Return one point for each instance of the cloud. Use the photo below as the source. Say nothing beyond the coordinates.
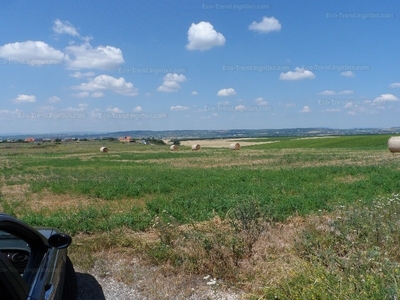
(179, 108)
(226, 92)
(34, 53)
(82, 95)
(81, 107)
(224, 103)
(298, 74)
(240, 107)
(79, 75)
(327, 93)
(54, 99)
(346, 92)
(203, 36)
(386, 97)
(348, 74)
(6, 111)
(332, 110)
(266, 25)
(260, 101)
(86, 57)
(290, 104)
(97, 95)
(349, 105)
(171, 83)
(331, 93)
(306, 109)
(395, 85)
(114, 110)
(106, 82)
(22, 98)
(194, 93)
(137, 109)
(60, 27)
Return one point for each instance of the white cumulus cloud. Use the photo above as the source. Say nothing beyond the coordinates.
(260, 101)
(114, 110)
(22, 98)
(106, 82)
(306, 109)
(298, 74)
(395, 85)
(97, 95)
(171, 83)
(179, 108)
(386, 97)
(80, 75)
(137, 109)
(203, 36)
(60, 27)
(332, 110)
(226, 92)
(81, 107)
(32, 53)
(346, 92)
(6, 111)
(327, 93)
(82, 95)
(348, 74)
(240, 107)
(86, 57)
(54, 99)
(331, 93)
(266, 25)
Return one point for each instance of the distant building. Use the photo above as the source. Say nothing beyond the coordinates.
(125, 139)
(29, 140)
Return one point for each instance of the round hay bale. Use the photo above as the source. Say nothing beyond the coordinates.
(394, 144)
(234, 146)
(104, 149)
(196, 147)
(174, 148)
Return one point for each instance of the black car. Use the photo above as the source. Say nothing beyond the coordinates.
(33, 262)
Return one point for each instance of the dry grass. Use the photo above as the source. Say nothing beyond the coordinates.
(121, 255)
(47, 203)
(253, 159)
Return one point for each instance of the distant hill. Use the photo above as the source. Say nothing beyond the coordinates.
(209, 134)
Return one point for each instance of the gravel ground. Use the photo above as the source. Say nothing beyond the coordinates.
(148, 285)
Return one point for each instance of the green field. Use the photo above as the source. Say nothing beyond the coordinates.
(145, 188)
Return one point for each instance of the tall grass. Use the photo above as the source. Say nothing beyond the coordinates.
(354, 255)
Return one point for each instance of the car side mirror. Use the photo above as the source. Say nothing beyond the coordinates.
(59, 241)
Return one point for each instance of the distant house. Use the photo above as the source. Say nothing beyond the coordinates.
(125, 139)
(29, 140)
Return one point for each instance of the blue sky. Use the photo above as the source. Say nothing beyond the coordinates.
(144, 65)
